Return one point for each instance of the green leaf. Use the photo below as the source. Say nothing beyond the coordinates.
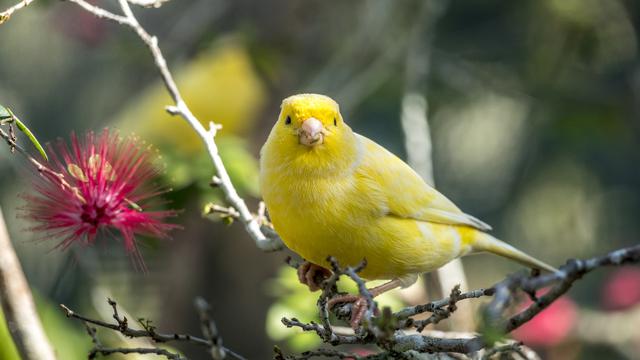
(4, 113)
(22, 127)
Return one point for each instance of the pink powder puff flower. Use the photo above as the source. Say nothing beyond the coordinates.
(622, 289)
(102, 182)
(551, 326)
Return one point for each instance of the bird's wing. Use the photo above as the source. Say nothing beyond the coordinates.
(406, 194)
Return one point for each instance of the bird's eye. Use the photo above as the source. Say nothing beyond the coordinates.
(335, 122)
(288, 121)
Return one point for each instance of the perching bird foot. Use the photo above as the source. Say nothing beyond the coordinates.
(360, 304)
(358, 310)
(312, 275)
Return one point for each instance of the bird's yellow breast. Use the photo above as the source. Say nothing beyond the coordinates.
(344, 216)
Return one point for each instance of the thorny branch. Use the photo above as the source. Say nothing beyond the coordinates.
(266, 242)
(391, 331)
(211, 338)
(99, 349)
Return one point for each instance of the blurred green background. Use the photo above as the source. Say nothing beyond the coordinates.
(534, 108)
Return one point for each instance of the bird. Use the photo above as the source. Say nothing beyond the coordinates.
(331, 192)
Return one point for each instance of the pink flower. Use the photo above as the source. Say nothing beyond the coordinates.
(360, 352)
(99, 184)
(622, 289)
(551, 326)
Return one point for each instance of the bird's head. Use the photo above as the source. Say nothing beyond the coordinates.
(311, 134)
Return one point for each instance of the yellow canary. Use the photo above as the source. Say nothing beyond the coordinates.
(332, 192)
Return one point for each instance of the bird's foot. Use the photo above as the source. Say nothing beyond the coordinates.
(359, 309)
(312, 275)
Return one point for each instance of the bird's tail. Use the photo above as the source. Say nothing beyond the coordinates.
(486, 242)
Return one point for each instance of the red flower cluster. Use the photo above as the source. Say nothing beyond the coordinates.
(551, 326)
(101, 182)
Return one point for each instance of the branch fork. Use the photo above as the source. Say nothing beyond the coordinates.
(399, 338)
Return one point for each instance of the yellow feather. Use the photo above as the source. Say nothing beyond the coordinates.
(350, 198)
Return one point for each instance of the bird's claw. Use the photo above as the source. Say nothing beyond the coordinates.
(359, 309)
(312, 275)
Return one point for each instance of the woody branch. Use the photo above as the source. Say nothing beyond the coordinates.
(211, 339)
(18, 306)
(391, 331)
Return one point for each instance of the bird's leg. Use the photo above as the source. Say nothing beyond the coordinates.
(312, 275)
(360, 305)
(378, 290)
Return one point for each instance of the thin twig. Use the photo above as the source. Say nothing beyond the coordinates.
(148, 3)
(180, 108)
(144, 351)
(99, 349)
(149, 331)
(5, 15)
(209, 330)
(127, 331)
(503, 294)
(12, 143)
(102, 13)
(329, 288)
(323, 332)
(565, 277)
(229, 214)
(441, 313)
(434, 305)
(223, 211)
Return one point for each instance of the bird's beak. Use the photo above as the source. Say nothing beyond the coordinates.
(311, 132)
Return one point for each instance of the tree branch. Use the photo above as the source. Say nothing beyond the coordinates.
(279, 355)
(110, 351)
(148, 3)
(399, 340)
(435, 305)
(563, 280)
(5, 15)
(99, 349)
(180, 108)
(18, 306)
(212, 340)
